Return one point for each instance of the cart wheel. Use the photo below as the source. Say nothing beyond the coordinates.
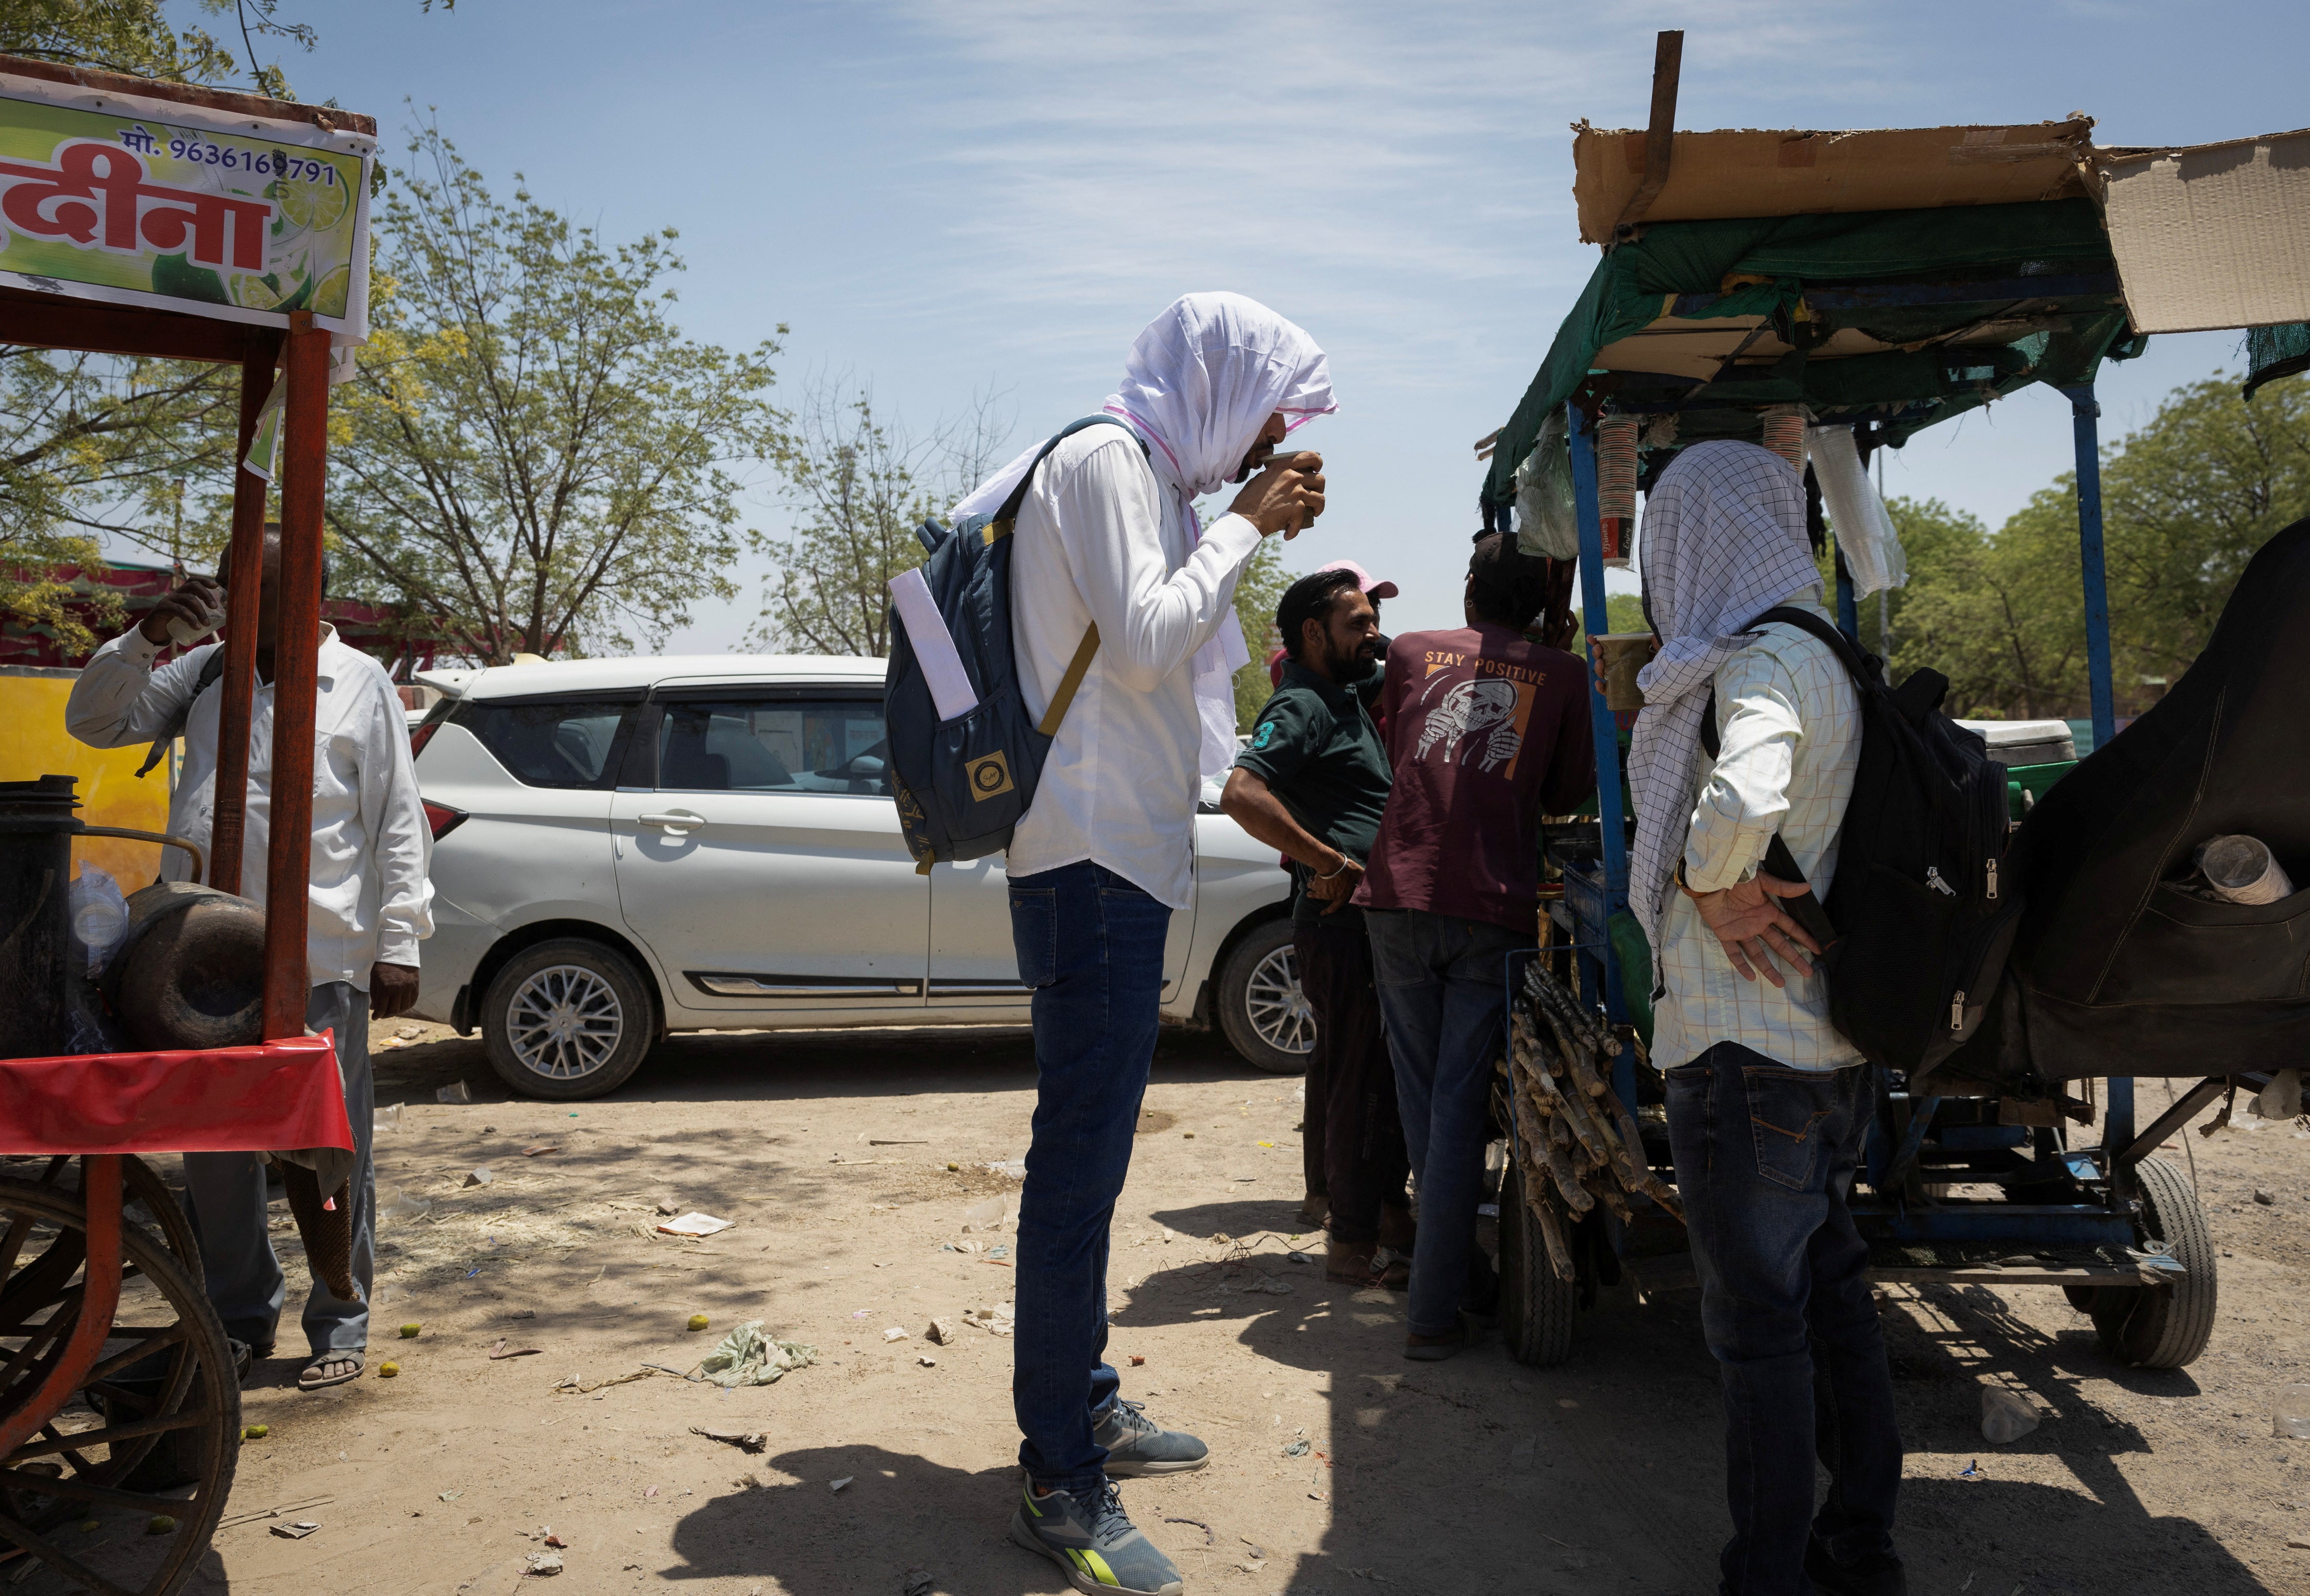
(1536, 1305)
(165, 1374)
(2163, 1327)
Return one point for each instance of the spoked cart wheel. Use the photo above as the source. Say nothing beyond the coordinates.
(2161, 1327)
(160, 1390)
(1537, 1305)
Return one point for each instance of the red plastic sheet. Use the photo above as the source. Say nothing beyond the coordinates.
(273, 1097)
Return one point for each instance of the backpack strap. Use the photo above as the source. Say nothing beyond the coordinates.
(1007, 517)
(212, 668)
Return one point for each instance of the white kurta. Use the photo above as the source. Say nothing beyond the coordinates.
(1101, 539)
(371, 901)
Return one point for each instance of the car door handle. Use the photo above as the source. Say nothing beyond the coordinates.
(679, 823)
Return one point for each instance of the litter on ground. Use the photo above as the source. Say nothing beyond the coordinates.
(747, 1357)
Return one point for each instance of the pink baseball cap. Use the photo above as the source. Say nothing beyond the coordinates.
(1377, 590)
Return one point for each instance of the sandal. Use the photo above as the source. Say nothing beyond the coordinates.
(1420, 1348)
(1348, 1263)
(315, 1376)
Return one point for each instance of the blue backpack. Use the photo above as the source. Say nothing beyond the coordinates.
(964, 780)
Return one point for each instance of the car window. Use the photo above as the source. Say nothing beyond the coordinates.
(787, 746)
(550, 744)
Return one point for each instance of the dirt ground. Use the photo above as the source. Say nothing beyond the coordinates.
(849, 1162)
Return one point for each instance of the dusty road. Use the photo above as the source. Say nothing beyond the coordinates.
(849, 1163)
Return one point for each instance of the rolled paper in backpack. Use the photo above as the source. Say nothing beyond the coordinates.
(933, 646)
(1623, 654)
(2242, 870)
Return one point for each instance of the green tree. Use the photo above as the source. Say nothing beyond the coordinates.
(533, 458)
(1258, 591)
(852, 481)
(2185, 502)
(859, 486)
(96, 443)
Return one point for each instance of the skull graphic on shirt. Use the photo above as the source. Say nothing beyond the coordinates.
(1482, 707)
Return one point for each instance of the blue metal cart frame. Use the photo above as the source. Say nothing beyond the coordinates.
(2080, 1221)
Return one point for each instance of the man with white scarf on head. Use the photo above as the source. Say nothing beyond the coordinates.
(1768, 1105)
(1109, 556)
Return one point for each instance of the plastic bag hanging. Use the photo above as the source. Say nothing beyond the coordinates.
(1547, 518)
(1865, 529)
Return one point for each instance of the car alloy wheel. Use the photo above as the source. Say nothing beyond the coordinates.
(1278, 1010)
(564, 1022)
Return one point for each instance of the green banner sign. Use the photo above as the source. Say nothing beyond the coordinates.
(184, 208)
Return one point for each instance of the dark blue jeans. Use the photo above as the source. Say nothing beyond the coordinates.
(1091, 946)
(1443, 991)
(1764, 1161)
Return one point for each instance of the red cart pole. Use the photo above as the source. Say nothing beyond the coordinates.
(244, 569)
(304, 455)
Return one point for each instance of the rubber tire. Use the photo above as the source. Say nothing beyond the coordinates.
(1536, 1305)
(634, 1040)
(2164, 1327)
(1234, 1012)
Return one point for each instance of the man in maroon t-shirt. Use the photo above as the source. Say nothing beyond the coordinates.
(1487, 731)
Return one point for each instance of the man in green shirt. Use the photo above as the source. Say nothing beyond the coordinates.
(1313, 784)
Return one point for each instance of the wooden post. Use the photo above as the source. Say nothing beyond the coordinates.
(304, 458)
(1660, 133)
(244, 572)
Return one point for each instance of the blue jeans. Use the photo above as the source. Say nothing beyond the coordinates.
(1764, 1161)
(1442, 992)
(225, 1196)
(1091, 946)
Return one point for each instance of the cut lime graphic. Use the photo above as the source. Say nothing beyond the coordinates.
(329, 294)
(309, 204)
(252, 291)
(179, 278)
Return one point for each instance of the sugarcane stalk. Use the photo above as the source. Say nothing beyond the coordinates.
(1560, 1257)
(1585, 1127)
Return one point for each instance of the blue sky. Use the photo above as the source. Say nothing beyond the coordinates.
(943, 198)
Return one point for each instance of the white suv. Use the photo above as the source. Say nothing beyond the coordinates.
(623, 848)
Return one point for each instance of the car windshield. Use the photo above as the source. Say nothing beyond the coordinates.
(735, 746)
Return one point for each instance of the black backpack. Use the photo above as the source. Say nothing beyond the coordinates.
(1922, 916)
(962, 784)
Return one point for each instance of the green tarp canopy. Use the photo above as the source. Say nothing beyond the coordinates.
(2272, 353)
(1902, 318)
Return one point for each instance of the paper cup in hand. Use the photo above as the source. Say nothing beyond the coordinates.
(1623, 654)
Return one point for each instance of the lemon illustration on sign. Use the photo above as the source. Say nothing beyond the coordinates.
(329, 295)
(309, 204)
(253, 291)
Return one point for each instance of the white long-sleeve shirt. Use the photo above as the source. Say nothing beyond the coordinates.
(1788, 723)
(371, 900)
(1099, 539)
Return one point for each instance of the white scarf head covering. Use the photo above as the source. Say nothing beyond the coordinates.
(1722, 541)
(1200, 383)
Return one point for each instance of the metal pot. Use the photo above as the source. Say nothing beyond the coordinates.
(191, 973)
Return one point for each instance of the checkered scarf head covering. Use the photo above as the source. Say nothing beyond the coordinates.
(1722, 541)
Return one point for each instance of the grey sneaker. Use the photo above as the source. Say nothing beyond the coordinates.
(1136, 1445)
(1098, 1548)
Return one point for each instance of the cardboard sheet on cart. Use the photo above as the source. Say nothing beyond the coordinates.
(1750, 172)
(275, 1096)
(2211, 236)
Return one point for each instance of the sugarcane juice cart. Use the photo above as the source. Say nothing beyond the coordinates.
(149, 219)
(1886, 283)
